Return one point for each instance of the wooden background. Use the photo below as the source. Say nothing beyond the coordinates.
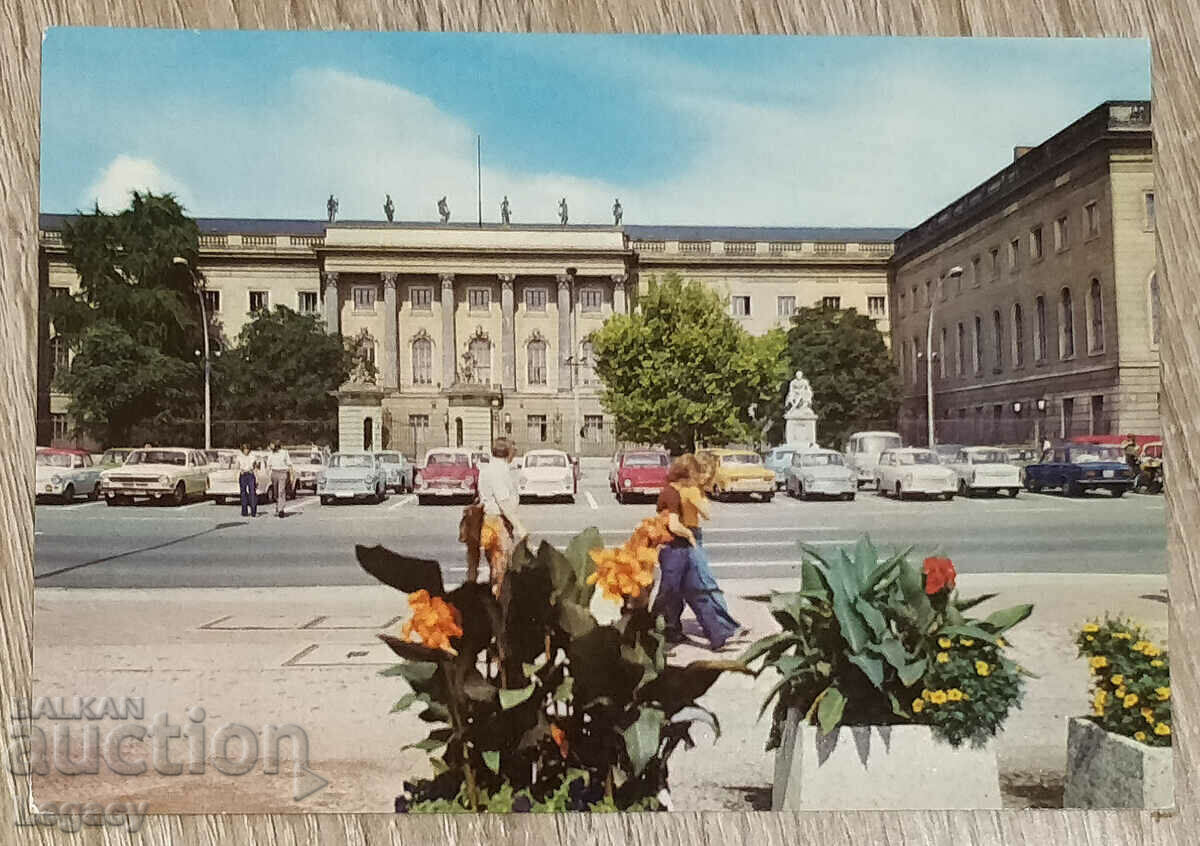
(1174, 30)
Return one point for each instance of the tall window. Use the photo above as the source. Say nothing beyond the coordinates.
(364, 297)
(1154, 309)
(1091, 219)
(535, 352)
(419, 423)
(961, 351)
(740, 306)
(1018, 336)
(421, 299)
(995, 257)
(997, 340)
(480, 354)
(785, 306)
(479, 299)
(1062, 234)
(916, 358)
(976, 264)
(587, 360)
(422, 361)
(1066, 325)
(1095, 308)
(59, 356)
(590, 299)
(307, 300)
(942, 354)
(535, 299)
(977, 346)
(1039, 337)
(535, 425)
(1035, 243)
(212, 300)
(593, 427)
(1149, 198)
(1014, 254)
(59, 429)
(900, 305)
(876, 306)
(928, 292)
(835, 303)
(259, 300)
(903, 362)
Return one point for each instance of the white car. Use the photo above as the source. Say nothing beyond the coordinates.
(863, 450)
(985, 469)
(914, 470)
(819, 472)
(546, 474)
(309, 461)
(171, 473)
(224, 483)
(63, 474)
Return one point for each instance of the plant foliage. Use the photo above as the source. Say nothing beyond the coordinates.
(1131, 680)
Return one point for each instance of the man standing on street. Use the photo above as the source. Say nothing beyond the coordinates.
(1131, 454)
(247, 483)
(278, 463)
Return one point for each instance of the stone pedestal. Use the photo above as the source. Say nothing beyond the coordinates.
(1106, 770)
(360, 417)
(800, 428)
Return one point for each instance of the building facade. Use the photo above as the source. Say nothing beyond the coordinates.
(1052, 327)
(477, 331)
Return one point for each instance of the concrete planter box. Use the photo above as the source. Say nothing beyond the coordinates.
(1106, 770)
(880, 768)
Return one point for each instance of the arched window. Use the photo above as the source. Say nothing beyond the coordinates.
(480, 353)
(535, 352)
(1066, 325)
(1095, 307)
(1018, 335)
(368, 434)
(59, 356)
(997, 340)
(422, 361)
(961, 352)
(978, 346)
(458, 431)
(1039, 338)
(1154, 309)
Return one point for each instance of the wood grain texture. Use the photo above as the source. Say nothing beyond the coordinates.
(1171, 24)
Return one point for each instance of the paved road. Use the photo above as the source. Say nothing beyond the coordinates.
(206, 545)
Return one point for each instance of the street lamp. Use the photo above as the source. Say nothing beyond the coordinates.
(199, 288)
(955, 272)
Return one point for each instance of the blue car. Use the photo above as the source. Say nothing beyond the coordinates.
(778, 460)
(1076, 469)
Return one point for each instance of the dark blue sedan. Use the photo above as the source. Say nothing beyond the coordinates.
(1078, 468)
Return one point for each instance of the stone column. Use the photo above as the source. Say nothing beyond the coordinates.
(449, 343)
(508, 341)
(565, 348)
(618, 280)
(331, 304)
(391, 332)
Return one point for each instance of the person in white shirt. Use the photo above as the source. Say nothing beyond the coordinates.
(279, 463)
(502, 527)
(247, 483)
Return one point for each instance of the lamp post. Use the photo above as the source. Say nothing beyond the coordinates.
(953, 273)
(199, 288)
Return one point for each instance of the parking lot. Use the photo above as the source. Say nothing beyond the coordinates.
(201, 544)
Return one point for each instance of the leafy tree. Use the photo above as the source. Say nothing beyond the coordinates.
(135, 323)
(681, 372)
(853, 378)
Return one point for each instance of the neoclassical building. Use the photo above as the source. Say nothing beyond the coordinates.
(1052, 328)
(481, 330)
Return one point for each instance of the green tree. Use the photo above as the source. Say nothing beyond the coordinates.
(681, 372)
(135, 324)
(845, 359)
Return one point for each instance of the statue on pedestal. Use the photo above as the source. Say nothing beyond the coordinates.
(562, 211)
(618, 212)
(800, 421)
(444, 210)
(331, 208)
(388, 208)
(800, 395)
(505, 213)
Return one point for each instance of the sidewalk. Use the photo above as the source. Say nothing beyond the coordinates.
(309, 656)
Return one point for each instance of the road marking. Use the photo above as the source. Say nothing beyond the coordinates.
(298, 504)
(193, 505)
(406, 500)
(591, 500)
(81, 505)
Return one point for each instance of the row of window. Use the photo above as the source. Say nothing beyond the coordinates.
(537, 427)
(1014, 323)
(420, 298)
(1036, 252)
(785, 306)
(1005, 428)
(477, 366)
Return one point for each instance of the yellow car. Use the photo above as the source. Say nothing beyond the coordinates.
(740, 472)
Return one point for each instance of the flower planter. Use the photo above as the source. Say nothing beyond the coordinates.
(899, 767)
(1106, 770)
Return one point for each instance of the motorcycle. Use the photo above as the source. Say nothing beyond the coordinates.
(1150, 478)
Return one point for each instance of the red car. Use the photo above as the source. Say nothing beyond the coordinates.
(640, 472)
(447, 473)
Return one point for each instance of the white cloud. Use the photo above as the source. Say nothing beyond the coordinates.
(125, 174)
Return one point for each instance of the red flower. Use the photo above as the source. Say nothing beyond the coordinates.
(939, 575)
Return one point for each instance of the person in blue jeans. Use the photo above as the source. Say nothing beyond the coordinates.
(705, 581)
(247, 482)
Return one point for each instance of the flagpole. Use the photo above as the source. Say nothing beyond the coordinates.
(479, 176)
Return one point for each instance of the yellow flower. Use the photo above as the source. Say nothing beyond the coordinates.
(1100, 698)
(1139, 736)
(945, 642)
(1148, 715)
(918, 706)
(954, 694)
(926, 693)
(1162, 729)
(1158, 663)
(1139, 646)
(1090, 638)
(1116, 678)
(1120, 692)
(1098, 662)
(982, 668)
(938, 697)
(943, 657)
(1090, 627)
(1130, 700)
(1151, 650)
(1164, 693)
(1122, 636)
(1098, 710)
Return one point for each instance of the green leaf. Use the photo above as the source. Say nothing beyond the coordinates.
(477, 688)
(403, 703)
(491, 759)
(810, 579)
(763, 645)
(829, 712)
(413, 671)
(580, 561)
(511, 698)
(575, 619)
(563, 693)
(882, 570)
(893, 651)
(416, 652)
(642, 738)
(872, 616)
(967, 604)
(1002, 621)
(871, 667)
(865, 562)
(912, 673)
(678, 687)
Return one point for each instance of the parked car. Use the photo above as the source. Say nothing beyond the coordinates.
(863, 450)
(224, 482)
(547, 473)
(219, 458)
(113, 457)
(947, 453)
(447, 473)
(985, 469)
(778, 460)
(1076, 469)
(914, 470)
(175, 474)
(399, 470)
(353, 476)
(63, 474)
(641, 473)
(819, 472)
(740, 472)
(308, 461)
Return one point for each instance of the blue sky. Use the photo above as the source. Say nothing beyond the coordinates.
(701, 130)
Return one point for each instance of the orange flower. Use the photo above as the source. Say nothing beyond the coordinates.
(434, 621)
(625, 570)
(560, 739)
